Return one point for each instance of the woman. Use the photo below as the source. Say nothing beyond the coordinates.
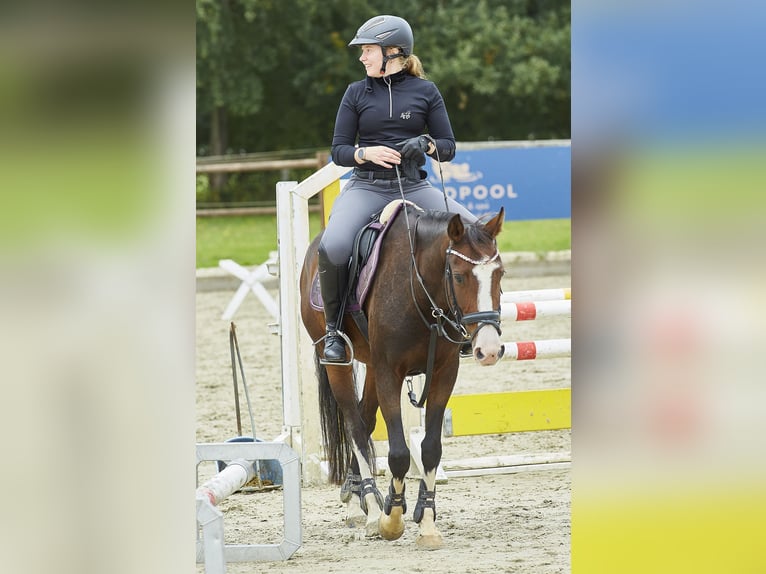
(386, 113)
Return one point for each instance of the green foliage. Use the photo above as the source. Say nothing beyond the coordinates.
(279, 68)
(503, 67)
(249, 239)
(253, 188)
(229, 71)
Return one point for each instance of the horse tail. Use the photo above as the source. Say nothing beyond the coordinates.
(337, 447)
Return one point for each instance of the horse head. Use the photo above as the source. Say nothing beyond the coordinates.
(473, 274)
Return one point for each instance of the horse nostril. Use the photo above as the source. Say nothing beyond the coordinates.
(479, 354)
(501, 352)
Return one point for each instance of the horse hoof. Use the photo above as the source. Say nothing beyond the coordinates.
(429, 541)
(356, 521)
(371, 530)
(390, 529)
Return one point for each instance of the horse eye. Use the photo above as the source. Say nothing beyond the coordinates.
(459, 278)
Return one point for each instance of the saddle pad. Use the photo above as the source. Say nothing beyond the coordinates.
(366, 274)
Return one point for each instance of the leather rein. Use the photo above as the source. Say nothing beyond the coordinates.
(457, 321)
(440, 317)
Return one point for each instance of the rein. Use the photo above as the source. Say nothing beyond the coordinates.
(438, 327)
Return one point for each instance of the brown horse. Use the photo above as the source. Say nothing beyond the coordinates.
(436, 288)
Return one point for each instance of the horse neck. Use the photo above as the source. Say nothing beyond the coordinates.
(430, 257)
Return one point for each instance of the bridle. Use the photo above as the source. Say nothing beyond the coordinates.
(479, 317)
(458, 321)
(454, 318)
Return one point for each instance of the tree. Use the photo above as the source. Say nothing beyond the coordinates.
(271, 73)
(503, 67)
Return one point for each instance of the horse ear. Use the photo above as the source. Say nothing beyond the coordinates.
(455, 228)
(495, 225)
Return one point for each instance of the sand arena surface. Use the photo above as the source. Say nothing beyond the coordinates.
(501, 523)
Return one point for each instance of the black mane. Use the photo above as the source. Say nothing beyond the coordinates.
(433, 223)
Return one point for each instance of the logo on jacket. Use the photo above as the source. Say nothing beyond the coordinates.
(405, 115)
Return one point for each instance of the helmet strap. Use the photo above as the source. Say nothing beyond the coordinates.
(387, 57)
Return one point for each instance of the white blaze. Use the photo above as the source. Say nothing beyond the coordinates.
(487, 346)
(483, 274)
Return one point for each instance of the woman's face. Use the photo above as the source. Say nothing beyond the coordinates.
(372, 59)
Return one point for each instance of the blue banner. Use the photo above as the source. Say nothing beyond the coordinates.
(530, 181)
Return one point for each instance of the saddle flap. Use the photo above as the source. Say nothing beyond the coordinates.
(365, 253)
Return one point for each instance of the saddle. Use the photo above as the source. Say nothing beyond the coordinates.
(362, 265)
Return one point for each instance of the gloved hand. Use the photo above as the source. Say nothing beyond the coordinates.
(410, 168)
(414, 149)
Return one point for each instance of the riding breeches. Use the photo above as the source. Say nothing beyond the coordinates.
(360, 199)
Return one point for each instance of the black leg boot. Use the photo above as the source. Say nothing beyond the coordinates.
(333, 281)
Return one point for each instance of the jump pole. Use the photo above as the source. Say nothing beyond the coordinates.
(531, 350)
(530, 310)
(560, 294)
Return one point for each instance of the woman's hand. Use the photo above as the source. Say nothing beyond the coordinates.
(381, 155)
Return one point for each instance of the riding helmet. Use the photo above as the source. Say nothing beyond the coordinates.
(385, 30)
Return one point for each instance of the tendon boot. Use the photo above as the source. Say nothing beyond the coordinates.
(333, 281)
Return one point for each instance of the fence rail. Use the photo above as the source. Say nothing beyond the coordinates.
(222, 164)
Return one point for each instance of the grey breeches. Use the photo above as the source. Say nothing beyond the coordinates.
(360, 199)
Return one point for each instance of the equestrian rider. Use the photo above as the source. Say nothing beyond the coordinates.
(379, 128)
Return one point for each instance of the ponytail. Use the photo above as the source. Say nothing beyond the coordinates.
(414, 67)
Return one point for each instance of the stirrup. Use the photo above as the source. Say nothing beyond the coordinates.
(339, 364)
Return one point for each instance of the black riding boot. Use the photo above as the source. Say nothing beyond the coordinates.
(333, 280)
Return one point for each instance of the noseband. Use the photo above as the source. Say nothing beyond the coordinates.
(480, 317)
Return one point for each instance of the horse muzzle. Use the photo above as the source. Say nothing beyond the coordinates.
(487, 348)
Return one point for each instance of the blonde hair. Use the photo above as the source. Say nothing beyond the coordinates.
(411, 64)
(414, 67)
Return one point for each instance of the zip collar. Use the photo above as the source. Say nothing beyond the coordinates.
(384, 81)
(387, 82)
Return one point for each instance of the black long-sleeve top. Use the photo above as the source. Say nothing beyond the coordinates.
(386, 111)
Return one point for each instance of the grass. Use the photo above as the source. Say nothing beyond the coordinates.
(249, 239)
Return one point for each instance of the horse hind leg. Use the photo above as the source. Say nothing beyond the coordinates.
(351, 489)
(369, 497)
(360, 492)
(350, 492)
(344, 433)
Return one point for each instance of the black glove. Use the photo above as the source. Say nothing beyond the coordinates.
(415, 148)
(410, 170)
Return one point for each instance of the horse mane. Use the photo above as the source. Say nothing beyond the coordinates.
(433, 223)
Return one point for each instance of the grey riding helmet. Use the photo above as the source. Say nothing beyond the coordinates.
(385, 31)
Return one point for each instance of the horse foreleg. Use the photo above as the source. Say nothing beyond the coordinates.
(391, 524)
(429, 536)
